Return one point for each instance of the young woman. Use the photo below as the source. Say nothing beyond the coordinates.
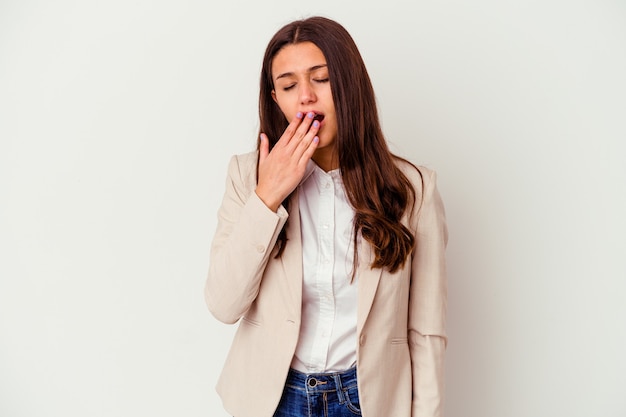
(329, 250)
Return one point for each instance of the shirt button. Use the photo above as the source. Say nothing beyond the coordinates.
(362, 340)
(260, 248)
(327, 185)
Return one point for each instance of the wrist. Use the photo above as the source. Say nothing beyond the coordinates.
(271, 203)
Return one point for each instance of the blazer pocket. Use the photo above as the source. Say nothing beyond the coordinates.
(251, 322)
(399, 341)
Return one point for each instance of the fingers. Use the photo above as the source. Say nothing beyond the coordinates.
(307, 126)
(309, 150)
(306, 145)
(299, 127)
(292, 128)
(297, 143)
(264, 147)
(304, 134)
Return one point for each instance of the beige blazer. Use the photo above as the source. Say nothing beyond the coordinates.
(401, 316)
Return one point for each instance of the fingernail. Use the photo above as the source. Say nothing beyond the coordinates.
(311, 115)
(316, 139)
(299, 115)
(316, 124)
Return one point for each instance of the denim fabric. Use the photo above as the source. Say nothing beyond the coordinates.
(320, 395)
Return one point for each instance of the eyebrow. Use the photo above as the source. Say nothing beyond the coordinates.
(290, 74)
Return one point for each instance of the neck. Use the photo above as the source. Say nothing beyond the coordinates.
(326, 158)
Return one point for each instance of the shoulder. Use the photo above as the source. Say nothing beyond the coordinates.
(242, 168)
(244, 162)
(424, 183)
(419, 176)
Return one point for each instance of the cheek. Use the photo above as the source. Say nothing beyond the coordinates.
(287, 110)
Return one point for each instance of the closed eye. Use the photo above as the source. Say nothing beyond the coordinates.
(323, 80)
(289, 87)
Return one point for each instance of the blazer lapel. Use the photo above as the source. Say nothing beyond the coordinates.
(292, 257)
(368, 279)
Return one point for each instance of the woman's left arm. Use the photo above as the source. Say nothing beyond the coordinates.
(428, 300)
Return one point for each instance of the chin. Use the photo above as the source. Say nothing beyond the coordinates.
(324, 144)
(325, 141)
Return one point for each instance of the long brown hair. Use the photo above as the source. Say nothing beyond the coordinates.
(379, 192)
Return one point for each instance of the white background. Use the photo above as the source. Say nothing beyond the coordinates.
(117, 120)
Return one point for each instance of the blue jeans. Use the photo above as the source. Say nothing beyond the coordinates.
(320, 395)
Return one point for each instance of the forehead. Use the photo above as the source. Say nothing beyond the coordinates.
(297, 58)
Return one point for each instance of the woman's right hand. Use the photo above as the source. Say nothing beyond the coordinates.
(282, 169)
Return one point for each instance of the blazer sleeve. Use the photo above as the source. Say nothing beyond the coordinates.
(246, 233)
(428, 300)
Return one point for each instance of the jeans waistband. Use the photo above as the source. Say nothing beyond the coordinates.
(322, 382)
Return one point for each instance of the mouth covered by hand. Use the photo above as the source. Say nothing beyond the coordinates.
(318, 117)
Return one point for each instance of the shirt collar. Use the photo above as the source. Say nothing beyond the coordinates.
(311, 167)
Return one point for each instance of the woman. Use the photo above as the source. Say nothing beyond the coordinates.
(328, 248)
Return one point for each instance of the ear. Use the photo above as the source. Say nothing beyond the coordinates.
(274, 96)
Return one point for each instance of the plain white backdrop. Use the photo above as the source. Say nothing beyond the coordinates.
(117, 120)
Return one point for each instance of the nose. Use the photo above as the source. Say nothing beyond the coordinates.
(307, 93)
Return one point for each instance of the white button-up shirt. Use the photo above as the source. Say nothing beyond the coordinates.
(327, 339)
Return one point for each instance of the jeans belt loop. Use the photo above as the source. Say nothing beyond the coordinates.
(339, 388)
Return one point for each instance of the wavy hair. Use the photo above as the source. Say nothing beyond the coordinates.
(379, 192)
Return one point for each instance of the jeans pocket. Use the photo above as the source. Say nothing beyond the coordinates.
(352, 400)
